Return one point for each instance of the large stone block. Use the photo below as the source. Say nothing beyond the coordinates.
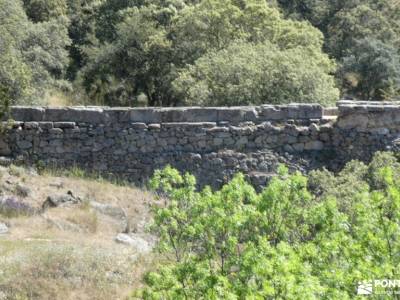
(330, 111)
(91, 115)
(56, 114)
(291, 111)
(304, 111)
(27, 114)
(237, 114)
(314, 145)
(4, 148)
(270, 112)
(189, 114)
(144, 115)
(353, 121)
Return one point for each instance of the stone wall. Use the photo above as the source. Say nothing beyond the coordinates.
(212, 143)
(362, 128)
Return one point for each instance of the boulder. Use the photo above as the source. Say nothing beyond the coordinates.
(12, 206)
(109, 210)
(4, 148)
(22, 190)
(314, 145)
(60, 200)
(3, 228)
(134, 241)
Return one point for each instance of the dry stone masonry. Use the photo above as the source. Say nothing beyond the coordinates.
(213, 143)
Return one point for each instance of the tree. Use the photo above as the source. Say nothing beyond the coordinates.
(15, 74)
(372, 70)
(344, 24)
(82, 32)
(32, 56)
(134, 64)
(245, 74)
(45, 10)
(357, 23)
(157, 43)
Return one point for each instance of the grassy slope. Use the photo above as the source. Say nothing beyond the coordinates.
(70, 252)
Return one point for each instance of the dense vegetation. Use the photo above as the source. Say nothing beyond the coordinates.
(203, 52)
(302, 237)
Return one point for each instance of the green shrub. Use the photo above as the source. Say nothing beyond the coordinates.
(297, 239)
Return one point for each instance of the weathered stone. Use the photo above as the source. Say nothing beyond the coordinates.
(314, 128)
(353, 121)
(46, 125)
(134, 241)
(236, 115)
(56, 131)
(31, 125)
(22, 190)
(314, 145)
(4, 148)
(154, 126)
(3, 228)
(269, 112)
(24, 145)
(64, 124)
(139, 126)
(299, 147)
(288, 148)
(304, 111)
(107, 209)
(144, 115)
(380, 131)
(60, 199)
(27, 114)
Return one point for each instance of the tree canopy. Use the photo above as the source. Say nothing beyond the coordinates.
(159, 48)
(33, 56)
(200, 52)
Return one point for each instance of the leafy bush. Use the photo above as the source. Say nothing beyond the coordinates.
(247, 74)
(297, 239)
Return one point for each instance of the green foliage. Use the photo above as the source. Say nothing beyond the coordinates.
(357, 33)
(32, 56)
(199, 52)
(297, 239)
(186, 53)
(372, 70)
(44, 10)
(15, 74)
(248, 74)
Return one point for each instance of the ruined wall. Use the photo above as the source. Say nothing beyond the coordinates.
(212, 143)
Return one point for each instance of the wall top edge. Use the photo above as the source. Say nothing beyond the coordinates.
(367, 103)
(185, 108)
(233, 115)
(181, 108)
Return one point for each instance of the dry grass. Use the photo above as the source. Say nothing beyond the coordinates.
(70, 252)
(58, 99)
(40, 269)
(85, 219)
